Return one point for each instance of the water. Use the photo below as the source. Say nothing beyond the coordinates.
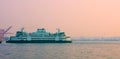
(75, 50)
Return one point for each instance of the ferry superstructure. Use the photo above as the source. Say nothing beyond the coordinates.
(40, 36)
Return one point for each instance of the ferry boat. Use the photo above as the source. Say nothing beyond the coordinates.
(40, 36)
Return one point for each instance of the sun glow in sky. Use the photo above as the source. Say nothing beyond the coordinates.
(74, 17)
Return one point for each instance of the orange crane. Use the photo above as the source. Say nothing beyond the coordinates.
(3, 32)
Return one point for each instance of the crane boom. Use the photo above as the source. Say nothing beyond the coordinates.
(7, 29)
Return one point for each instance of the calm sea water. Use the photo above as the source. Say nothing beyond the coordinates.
(75, 50)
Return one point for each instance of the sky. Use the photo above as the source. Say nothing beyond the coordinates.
(75, 17)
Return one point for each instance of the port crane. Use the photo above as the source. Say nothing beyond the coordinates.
(3, 32)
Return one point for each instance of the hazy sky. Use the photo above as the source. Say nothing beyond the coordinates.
(75, 17)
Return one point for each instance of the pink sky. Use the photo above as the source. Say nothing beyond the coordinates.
(75, 17)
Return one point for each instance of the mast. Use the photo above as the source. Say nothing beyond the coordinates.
(22, 29)
(57, 35)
